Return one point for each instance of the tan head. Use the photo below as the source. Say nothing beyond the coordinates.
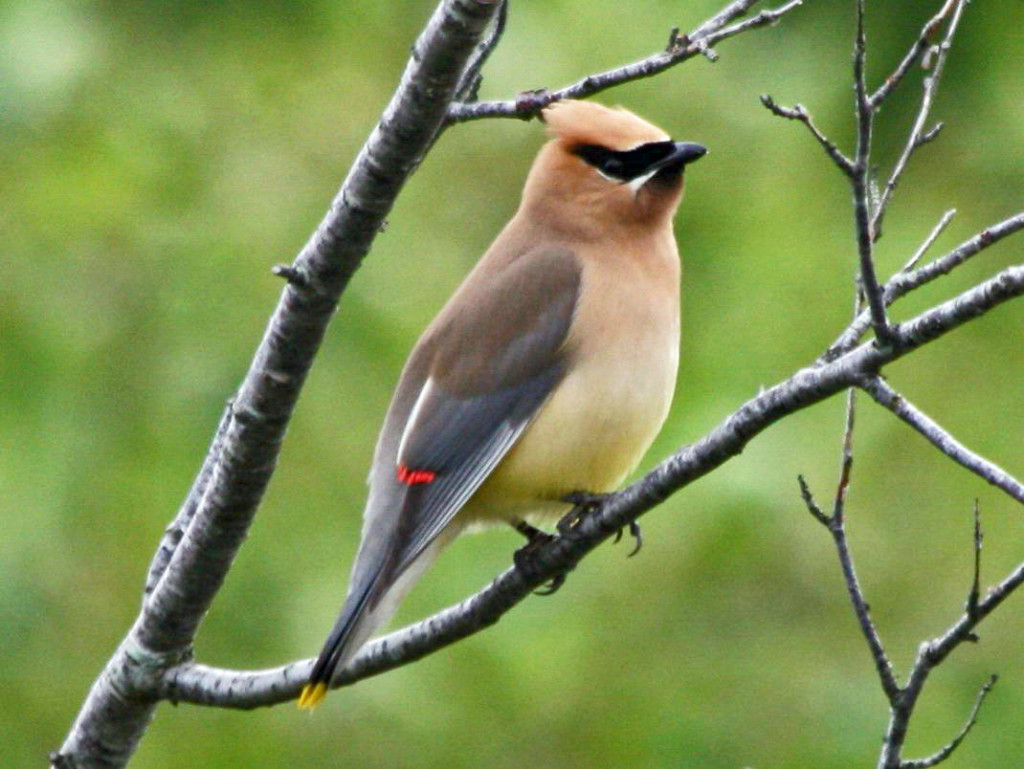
(606, 167)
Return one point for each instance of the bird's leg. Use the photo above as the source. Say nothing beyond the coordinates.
(535, 538)
(585, 502)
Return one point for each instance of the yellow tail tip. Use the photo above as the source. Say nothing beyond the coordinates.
(312, 695)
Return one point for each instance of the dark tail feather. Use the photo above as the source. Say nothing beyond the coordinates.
(335, 648)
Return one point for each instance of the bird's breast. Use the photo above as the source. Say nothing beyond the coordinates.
(598, 423)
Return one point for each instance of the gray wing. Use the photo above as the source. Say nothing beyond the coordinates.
(496, 361)
(472, 385)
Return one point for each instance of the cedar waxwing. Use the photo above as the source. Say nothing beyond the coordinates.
(548, 373)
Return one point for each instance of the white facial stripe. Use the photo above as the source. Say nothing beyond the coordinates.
(640, 181)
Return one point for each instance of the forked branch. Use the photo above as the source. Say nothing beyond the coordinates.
(700, 42)
(439, 88)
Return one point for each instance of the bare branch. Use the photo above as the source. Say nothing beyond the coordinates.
(933, 653)
(177, 528)
(800, 113)
(918, 135)
(975, 593)
(862, 190)
(860, 607)
(846, 466)
(806, 387)
(904, 282)
(766, 18)
(963, 630)
(469, 85)
(700, 42)
(885, 395)
(929, 241)
(924, 40)
(836, 524)
(220, 507)
(947, 750)
(812, 507)
(732, 11)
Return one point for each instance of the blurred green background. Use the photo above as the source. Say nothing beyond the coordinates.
(156, 159)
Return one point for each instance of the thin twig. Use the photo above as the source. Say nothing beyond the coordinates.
(886, 396)
(812, 506)
(904, 282)
(933, 653)
(947, 750)
(918, 134)
(924, 40)
(884, 334)
(699, 42)
(929, 241)
(733, 10)
(883, 666)
(469, 86)
(971, 607)
(799, 112)
(837, 527)
(846, 466)
(765, 18)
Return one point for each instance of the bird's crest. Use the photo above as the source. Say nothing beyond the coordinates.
(588, 123)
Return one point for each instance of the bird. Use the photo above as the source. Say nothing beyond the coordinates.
(547, 374)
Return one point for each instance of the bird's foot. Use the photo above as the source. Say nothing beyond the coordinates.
(636, 534)
(586, 502)
(535, 538)
(583, 502)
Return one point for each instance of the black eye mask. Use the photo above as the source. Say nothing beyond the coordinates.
(626, 166)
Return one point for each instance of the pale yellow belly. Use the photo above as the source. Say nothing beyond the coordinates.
(589, 436)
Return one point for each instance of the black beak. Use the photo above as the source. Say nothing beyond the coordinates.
(684, 153)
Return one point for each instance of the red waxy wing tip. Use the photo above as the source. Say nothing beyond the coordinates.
(414, 477)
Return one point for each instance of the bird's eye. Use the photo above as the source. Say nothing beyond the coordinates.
(607, 162)
(612, 166)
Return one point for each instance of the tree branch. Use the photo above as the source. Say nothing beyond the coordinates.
(924, 40)
(918, 135)
(232, 481)
(886, 396)
(836, 525)
(937, 230)
(799, 112)
(904, 282)
(698, 43)
(931, 654)
(239, 689)
(947, 750)
(469, 85)
(861, 189)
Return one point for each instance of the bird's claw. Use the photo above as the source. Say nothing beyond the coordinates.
(551, 586)
(585, 502)
(636, 534)
(535, 538)
(582, 502)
